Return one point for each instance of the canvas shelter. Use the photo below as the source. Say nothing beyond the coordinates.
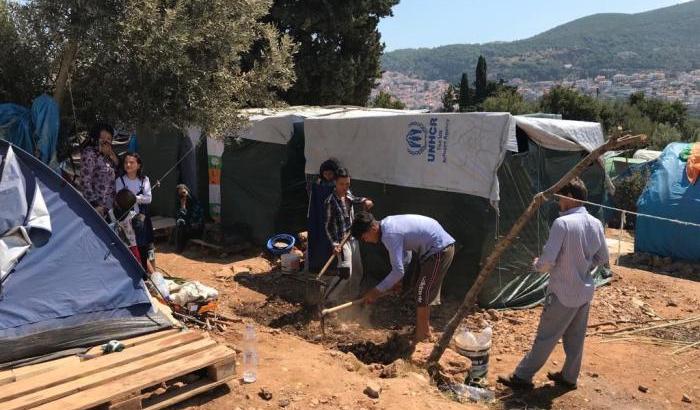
(473, 172)
(67, 281)
(263, 184)
(669, 194)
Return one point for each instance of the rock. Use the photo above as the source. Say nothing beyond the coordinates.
(672, 303)
(318, 337)
(686, 399)
(493, 315)
(593, 375)
(643, 388)
(265, 394)
(283, 403)
(349, 367)
(392, 370)
(372, 390)
(314, 402)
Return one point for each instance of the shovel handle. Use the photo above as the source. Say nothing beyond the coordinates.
(330, 260)
(324, 312)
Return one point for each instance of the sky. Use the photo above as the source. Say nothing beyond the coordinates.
(432, 23)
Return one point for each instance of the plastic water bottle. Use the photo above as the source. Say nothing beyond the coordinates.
(159, 281)
(250, 355)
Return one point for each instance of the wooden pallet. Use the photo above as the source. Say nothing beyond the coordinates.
(153, 372)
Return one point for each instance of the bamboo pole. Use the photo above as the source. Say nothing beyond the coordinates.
(614, 143)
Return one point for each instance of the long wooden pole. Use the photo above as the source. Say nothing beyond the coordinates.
(613, 143)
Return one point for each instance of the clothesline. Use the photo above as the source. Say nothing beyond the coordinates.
(625, 211)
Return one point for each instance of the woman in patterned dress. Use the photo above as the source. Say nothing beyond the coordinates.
(98, 169)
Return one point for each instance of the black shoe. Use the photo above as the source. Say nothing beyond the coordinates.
(559, 380)
(515, 382)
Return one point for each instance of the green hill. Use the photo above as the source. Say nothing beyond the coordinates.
(667, 38)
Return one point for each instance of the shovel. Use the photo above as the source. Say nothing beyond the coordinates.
(315, 289)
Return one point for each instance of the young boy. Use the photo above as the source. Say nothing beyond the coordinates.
(121, 220)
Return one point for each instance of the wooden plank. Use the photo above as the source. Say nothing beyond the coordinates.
(139, 340)
(86, 368)
(173, 397)
(104, 392)
(32, 370)
(222, 370)
(187, 353)
(7, 376)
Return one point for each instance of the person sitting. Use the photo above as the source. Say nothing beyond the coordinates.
(428, 240)
(121, 219)
(189, 220)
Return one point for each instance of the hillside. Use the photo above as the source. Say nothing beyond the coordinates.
(667, 39)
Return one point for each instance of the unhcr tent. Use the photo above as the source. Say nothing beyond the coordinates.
(475, 173)
(263, 185)
(66, 278)
(669, 194)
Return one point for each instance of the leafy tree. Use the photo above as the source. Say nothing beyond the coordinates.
(508, 100)
(570, 104)
(670, 112)
(128, 61)
(386, 100)
(465, 100)
(449, 99)
(664, 135)
(338, 60)
(481, 82)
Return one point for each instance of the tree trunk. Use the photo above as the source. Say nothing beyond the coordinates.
(70, 52)
(470, 299)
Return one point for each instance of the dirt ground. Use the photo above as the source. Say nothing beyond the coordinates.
(304, 370)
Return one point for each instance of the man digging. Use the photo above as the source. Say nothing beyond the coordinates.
(421, 235)
(576, 244)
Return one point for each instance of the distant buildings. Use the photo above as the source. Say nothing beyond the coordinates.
(682, 86)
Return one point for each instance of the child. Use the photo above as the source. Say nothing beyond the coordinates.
(121, 220)
(319, 247)
(134, 180)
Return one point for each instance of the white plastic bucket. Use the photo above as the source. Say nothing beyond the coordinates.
(477, 348)
(290, 263)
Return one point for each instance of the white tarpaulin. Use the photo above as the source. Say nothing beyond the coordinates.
(560, 135)
(277, 125)
(447, 152)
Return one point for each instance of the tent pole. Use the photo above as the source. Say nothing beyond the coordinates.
(615, 142)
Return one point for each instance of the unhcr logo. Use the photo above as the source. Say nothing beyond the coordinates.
(416, 140)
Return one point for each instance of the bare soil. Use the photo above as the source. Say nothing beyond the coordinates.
(304, 370)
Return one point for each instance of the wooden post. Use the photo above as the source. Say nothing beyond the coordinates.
(613, 143)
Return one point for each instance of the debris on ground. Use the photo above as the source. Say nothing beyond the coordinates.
(643, 388)
(373, 389)
(265, 394)
(686, 399)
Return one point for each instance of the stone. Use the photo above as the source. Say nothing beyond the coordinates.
(318, 337)
(493, 315)
(265, 394)
(643, 388)
(686, 399)
(392, 370)
(283, 403)
(672, 303)
(314, 402)
(592, 375)
(349, 367)
(372, 390)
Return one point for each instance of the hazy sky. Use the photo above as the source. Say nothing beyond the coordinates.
(432, 23)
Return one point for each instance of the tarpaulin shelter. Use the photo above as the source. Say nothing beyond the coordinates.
(67, 279)
(475, 173)
(263, 185)
(33, 129)
(669, 194)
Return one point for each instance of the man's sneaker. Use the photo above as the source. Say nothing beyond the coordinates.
(515, 382)
(559, 380)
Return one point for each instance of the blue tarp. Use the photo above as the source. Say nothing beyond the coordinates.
(32, 129)
(83, 286)
(669, 194)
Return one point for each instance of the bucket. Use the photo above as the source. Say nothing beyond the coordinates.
(476, 347)
(290, 263)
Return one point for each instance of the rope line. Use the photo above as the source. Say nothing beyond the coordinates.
(678, 221)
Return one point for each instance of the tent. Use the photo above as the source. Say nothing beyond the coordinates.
(263, 185)
(475, 173)
(66, 279)
(669, 194)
